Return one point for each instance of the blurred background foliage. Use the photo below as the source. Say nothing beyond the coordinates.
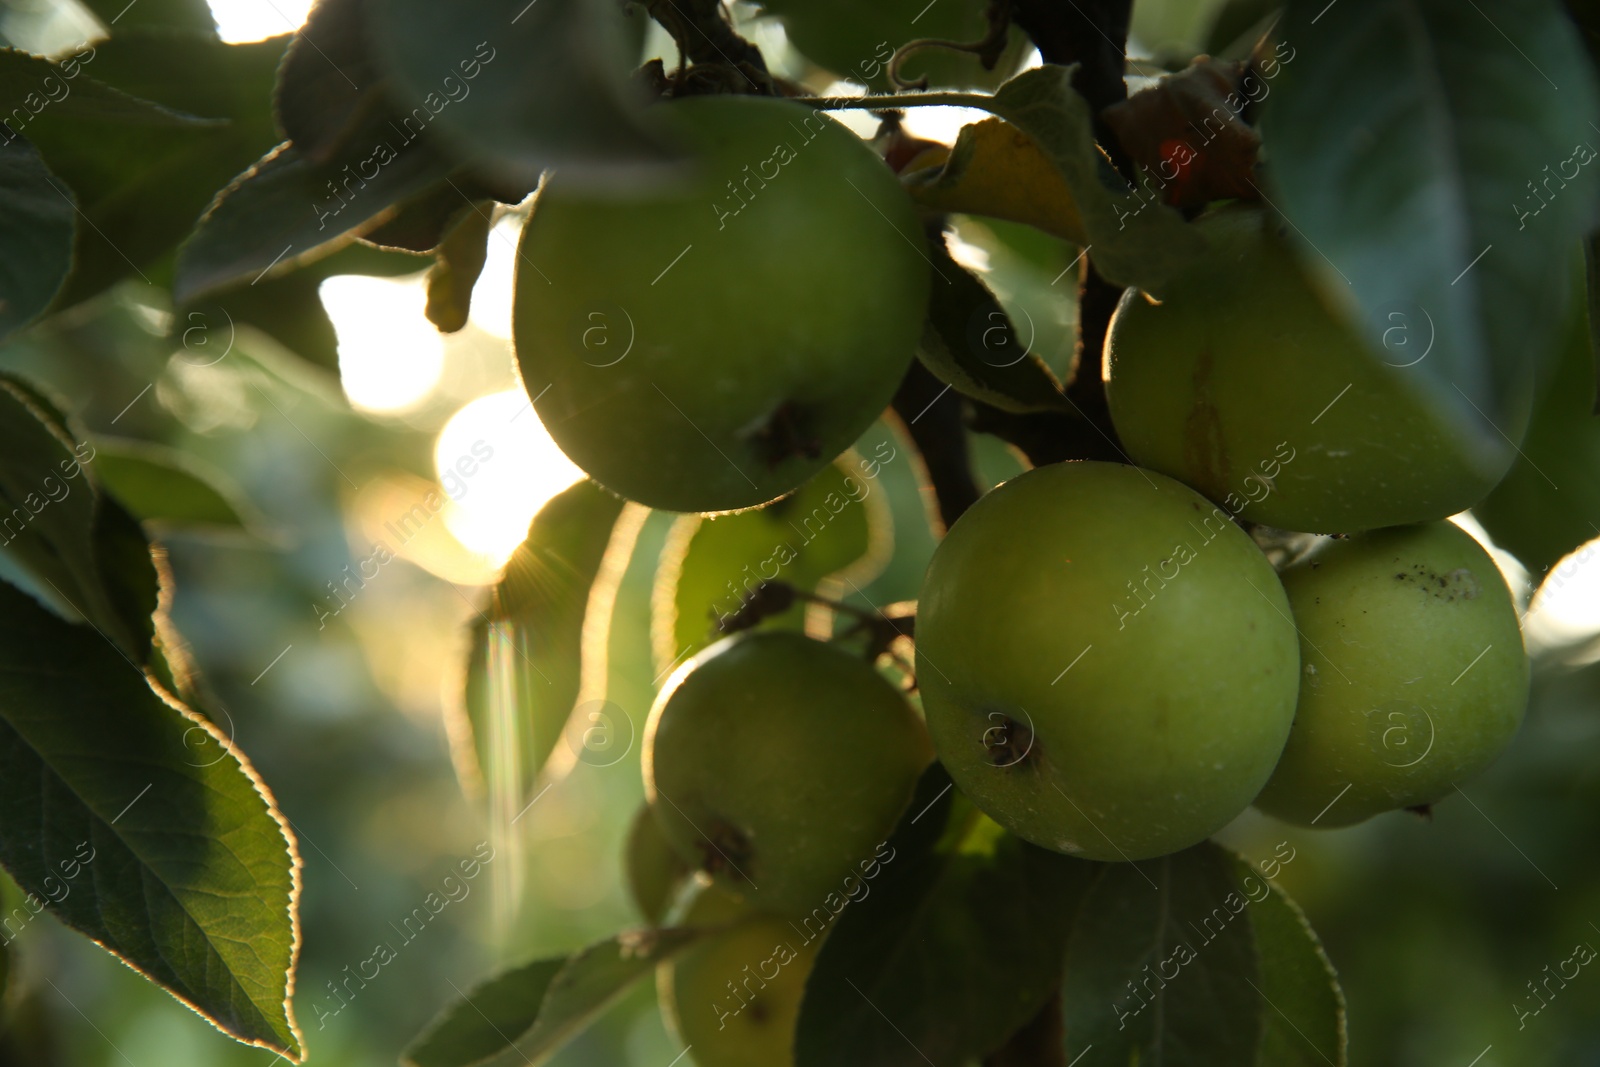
(339, 691)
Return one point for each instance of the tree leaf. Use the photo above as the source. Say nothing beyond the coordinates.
(482, 75)
(593, 980)
(34, 89)
(162, 484)
(1304, 1023)
(49, 513)
(1147, 981)
(186, 872)
(995, 169)
(460, 260)
(953, 946)
(286, 210)
(972, 346)
(1422, 150)
(1548, 504)
(288, 307)
(1132, 238)
(475, 1028)
(1194, 960)
(142, 189)
(526, 664)
(35, 235)
(328, 82)
(834, 524)
(121, 16)
(538, 1007)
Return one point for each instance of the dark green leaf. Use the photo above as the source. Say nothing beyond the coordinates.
(34, 89)
(186, 872)
(123, 15)
(1549, 502)
(48, 516)
(328, 83)
(1160, 965)
(525, 668)
(970, 344)
(1304, 1020)
(461, 258)
(538, 1007)
(127, 573)
(482, 76)
(35, 234)
(954, 944)
(593, 980)
(142, 189)
(837, 524)
(1195, 960)
(1437, 159)
(165, 485)
(288, 307)
(482, 1024)
(285, 209)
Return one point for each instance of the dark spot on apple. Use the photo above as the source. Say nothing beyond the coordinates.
(1423, 810)
(758, 1010)
(788, 432)
(726, 850)
(1007, 742)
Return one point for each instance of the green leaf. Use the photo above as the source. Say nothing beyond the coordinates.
(288, 307)
(1304, 1023)
(165, 485)
(286, 210)
(186, 872)
(1428, 154)
(1548, 504)
(1195, 960)
(527, 663)
(835, 525)
(35, 235)
(972, 346)
(34, 89)
(142, 189)
(49, 513)
(1132, 238)
(460, 260)
(328, 82)
(121, 15)
(477, 1027)
(955, 944)
(535, 1012)
(481, 77)
(1160, 965)
(593, 980)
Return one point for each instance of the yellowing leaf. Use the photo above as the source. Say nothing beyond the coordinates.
(997, 170)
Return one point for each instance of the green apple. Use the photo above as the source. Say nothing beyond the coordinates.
(709, 344)
(1107, 662)
(856, 40)
(733, 999)
(1245, 385)
(1550, 502)
(1414, 676)
(653, 870)
(777, 764)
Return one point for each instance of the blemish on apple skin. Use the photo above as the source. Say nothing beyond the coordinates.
(726, 850)
(1006, 742)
